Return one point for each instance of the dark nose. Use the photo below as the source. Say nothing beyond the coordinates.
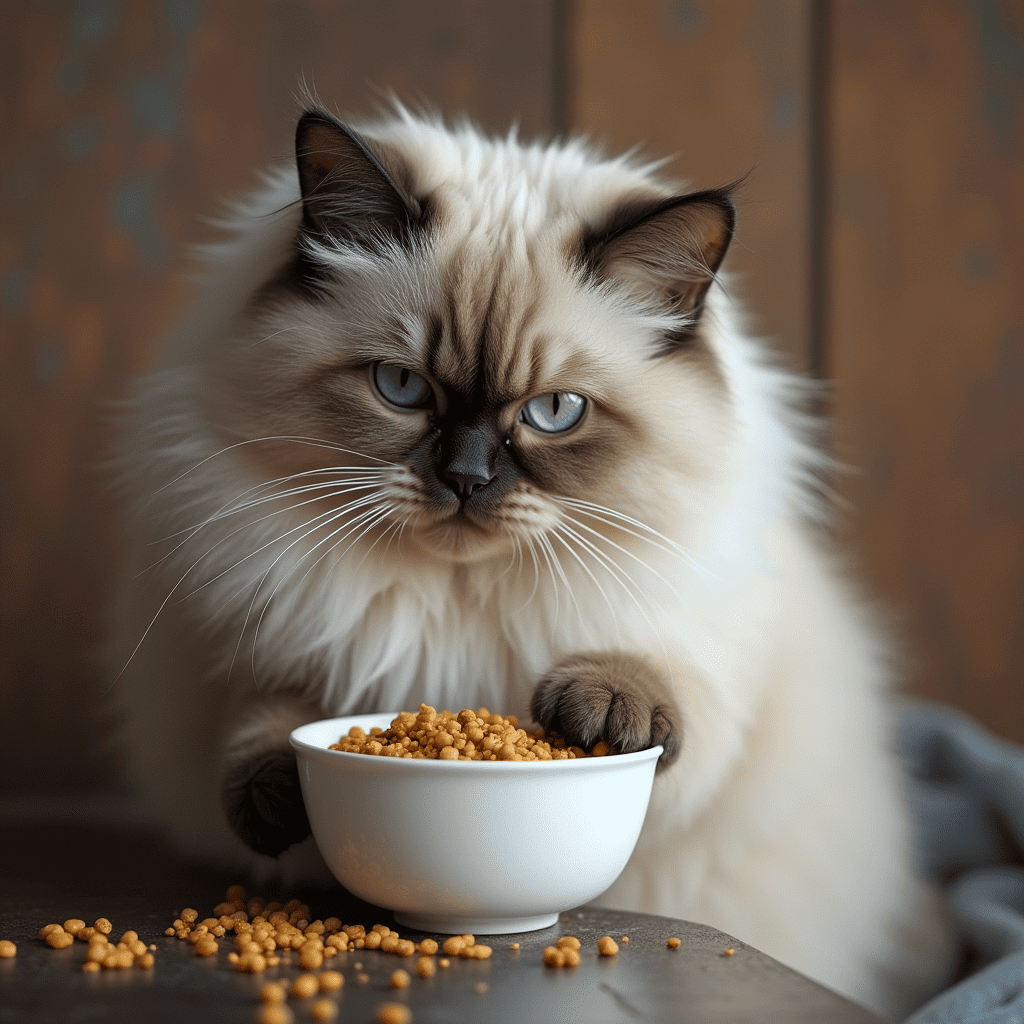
(464, 484)
(465, 466)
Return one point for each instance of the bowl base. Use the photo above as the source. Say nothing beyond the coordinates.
(474, 925)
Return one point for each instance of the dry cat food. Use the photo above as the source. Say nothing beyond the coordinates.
(102, 954)
(672, 943)
(467, 736)
(393, 1013)
(7, 948)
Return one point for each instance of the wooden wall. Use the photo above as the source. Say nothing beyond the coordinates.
(880, 239)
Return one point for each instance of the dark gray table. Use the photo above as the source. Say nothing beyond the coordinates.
(50, 872)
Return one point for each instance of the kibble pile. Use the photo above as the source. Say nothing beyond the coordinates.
(268, 934)
(467, 736)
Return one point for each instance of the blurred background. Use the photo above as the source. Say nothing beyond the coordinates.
(880, 245)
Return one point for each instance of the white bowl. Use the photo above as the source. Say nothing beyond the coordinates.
(470, 846)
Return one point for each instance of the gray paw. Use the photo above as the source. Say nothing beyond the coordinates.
(612, 697)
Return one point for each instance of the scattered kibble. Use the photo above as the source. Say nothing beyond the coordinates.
(729, 952)
(444, 962)
(331, 981)
(73, 925)
(514, 947)
(672, 943)
(304, 986)
(393, 1013)
(400, 979)
(554, 957)
(101, 924)
(362, 978)
(466, 736)
(275, 1014)
(425, 967)
(607, 946)
(428, 947)
(59, 940)
(624, 940)
(7, 948)
(568, 942)
(324, 1009)
(91, 967)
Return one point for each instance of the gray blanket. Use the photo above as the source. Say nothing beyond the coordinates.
(967, 792)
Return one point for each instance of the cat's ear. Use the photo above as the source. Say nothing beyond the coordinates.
(347, 192)
(672, 248)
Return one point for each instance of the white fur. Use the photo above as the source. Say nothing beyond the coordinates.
(782, 822)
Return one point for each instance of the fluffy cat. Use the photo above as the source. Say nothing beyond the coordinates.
(466, 421)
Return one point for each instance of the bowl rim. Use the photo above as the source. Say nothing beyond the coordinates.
(339, 757)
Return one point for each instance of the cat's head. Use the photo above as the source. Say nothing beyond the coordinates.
(492, 341)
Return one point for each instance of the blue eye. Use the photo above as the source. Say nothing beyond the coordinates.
(401, 386)
(555, 412)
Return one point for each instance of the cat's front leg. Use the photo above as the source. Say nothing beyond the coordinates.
(260, 791)
(618, 698)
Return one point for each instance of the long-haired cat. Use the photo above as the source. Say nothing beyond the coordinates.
(464, 421)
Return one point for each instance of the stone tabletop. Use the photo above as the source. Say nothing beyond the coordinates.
(51, 871)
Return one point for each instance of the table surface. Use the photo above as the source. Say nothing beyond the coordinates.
(52, 871)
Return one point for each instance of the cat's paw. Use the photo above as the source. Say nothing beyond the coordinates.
(262, 798)
(612, 697)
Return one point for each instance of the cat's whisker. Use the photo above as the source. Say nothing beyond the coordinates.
(297, 439)
(636, 558)
(330, 515)
(598, 512)
(631, 590)
(545, 547)
(351, 525)
(586, 569)
(564, 578)
(536, 575)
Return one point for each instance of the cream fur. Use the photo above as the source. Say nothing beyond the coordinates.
(782, 822)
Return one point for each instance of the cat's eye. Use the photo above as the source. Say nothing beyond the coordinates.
(401, 386)
(554, 412)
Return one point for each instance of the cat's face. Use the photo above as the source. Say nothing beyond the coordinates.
(484, 380)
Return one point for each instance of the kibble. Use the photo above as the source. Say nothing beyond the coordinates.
(729, 952)
(7, 948)
(568, 942)
(554, 957)
(59, 940)
(607, 946)
(393, 1013)
(73, 925)
(275, 1014)
(273, 994)
(91, 967)
(323, 1009)
(673, 942)
(331, 981)
(304, 986)
(466, 736)
(428, 947)
(425, 967)
(400, 979)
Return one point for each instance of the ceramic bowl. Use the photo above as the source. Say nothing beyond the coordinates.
(484, 847)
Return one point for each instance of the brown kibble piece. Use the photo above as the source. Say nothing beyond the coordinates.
(607, 946)
(272, 993)
(101, 924)
(275, 1014)
(425, 967)
(324, 1009)
(428, 947)
(672, 943)
(571, 956)
(7, 948)
(310, 958)
(304, 986)
(393, 1013)
(146, 961)
(91, 967)
(454, 945)
(331, 981)
(554, 957)
(624, 940)
(59, 940)
(400, 979)
(514, 946)
(568, 942)
(729, 952)
(48, 928)
(206, 947)
(73, 925)
(235, 893)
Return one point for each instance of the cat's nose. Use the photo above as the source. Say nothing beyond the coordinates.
(466, 460)
(464, 484)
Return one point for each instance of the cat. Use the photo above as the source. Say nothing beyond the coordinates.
(467, 421)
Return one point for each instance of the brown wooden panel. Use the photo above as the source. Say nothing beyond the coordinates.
(928, 330)
(724, 86)
(122, 124)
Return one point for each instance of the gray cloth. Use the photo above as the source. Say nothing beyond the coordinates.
(967, 794)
